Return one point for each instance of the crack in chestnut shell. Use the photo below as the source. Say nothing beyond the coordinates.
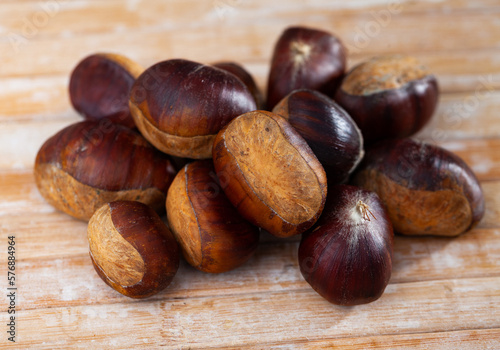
(212, 234)
(100, 86)
(87, 164)
(305, 58)
(331, 133)
(145, 232)
(269, 173)
(346, 258)
(184, 99)
(391, 113)
(427, 189)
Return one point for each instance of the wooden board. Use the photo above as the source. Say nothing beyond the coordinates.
(444, 293)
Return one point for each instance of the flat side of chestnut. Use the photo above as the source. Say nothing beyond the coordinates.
(74, 198)
(185, 98)
(269, 173)
(183, 220)
(196, 147)
(147, 235)
(347, 258)
(305, 58)
(331, 133)
(428, 190)
(100, 85)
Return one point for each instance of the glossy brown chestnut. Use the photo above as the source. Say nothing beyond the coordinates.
(305, 58)
(100, 85)
(347, 258)
(330, 132)
(246, 78)
(269, 173)
(131, 249)
(389, 97)
(212, 234)
(90, 163)
(179, 105)
(427, 189)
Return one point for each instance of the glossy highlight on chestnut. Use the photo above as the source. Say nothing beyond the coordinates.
(305, 58)
(389, 97)
(179, 105)
(347, 256)
(90, 163)
(331, 133)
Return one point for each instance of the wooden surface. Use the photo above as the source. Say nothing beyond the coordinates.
(444, 293)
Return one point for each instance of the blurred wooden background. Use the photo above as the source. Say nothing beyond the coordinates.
(444, 293)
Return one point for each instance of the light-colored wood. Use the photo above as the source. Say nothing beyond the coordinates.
(444, 292)
(300, 315)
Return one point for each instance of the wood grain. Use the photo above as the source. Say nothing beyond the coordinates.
(444, 293)
(301, 315)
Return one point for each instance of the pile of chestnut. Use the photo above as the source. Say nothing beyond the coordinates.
(325, 155)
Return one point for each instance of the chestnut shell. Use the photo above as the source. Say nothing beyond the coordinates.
(246, 78)
(347, 257)
(146, 233)
(100, 85)
(89, 163)
(212, 234)
(180, 105)
(269, 173)
(305, 58)
(427, 189)
(331, 133)
(391, 113)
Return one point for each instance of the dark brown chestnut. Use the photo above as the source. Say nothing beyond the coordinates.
(91, 163)
(347, 257)
(132, 250)
(246, 78)
(427, 189)
(269, 173)
(100, 85)
(305, 58)
(330, 132)
(179, 105)
(389, 97)
(212, 234)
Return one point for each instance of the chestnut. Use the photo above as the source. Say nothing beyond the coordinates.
(246, 78)
(305, 58)
(212, 234)
(427, 189)
(179, 105)
(347, 258)
(100, 85)
(132, 250)
(330, 132)
(90, 163)
(269, 173)
(389, 97)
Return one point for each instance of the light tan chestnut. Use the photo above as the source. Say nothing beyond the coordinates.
(269, 173)
(131, 248)
(212, 234)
